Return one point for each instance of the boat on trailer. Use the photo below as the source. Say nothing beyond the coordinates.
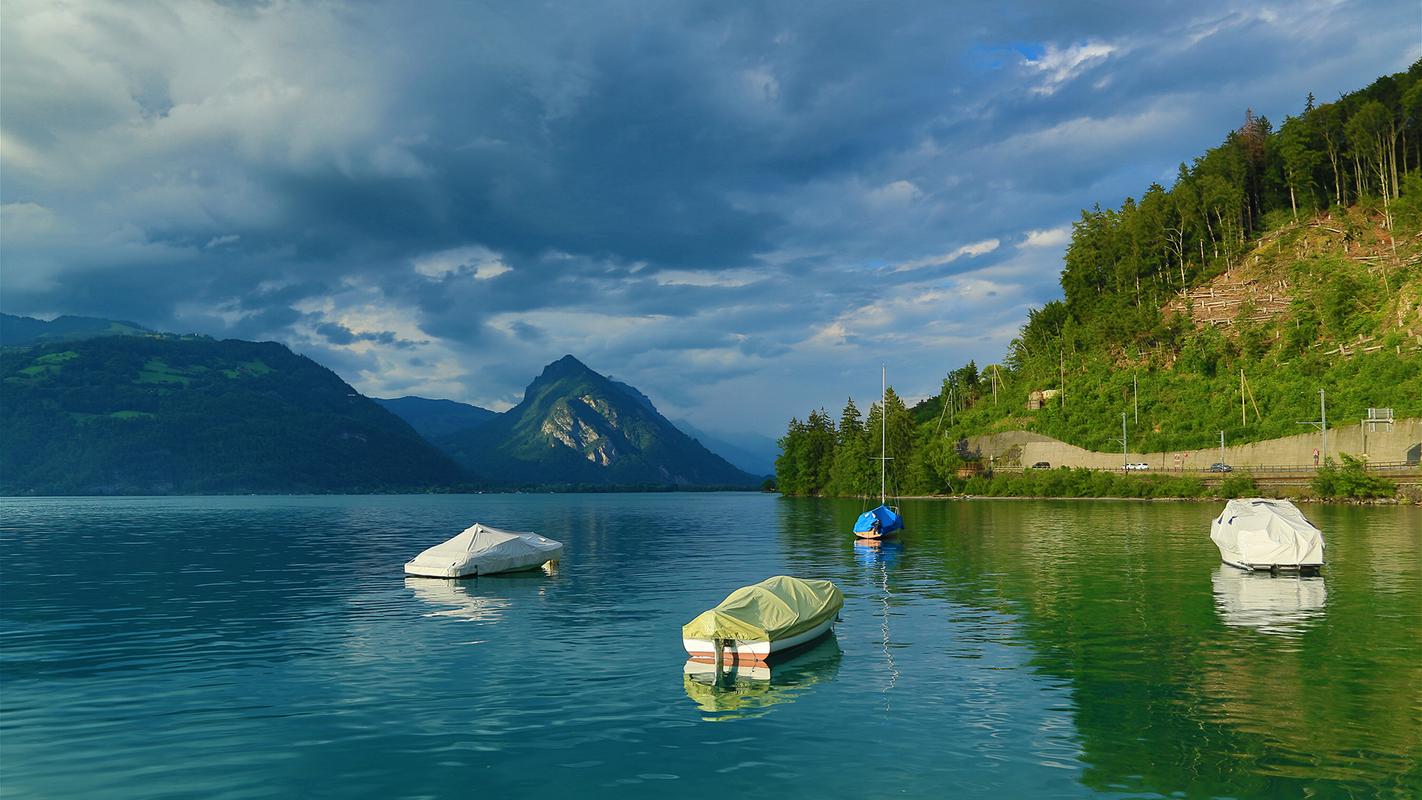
(1261, 534)
(756, 622)
(484, 550)
(884, 521)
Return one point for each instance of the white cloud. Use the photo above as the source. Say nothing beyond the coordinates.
(477, 260)
(1086, 136)
(1059, 65)
(761, 85)
(1047, 237)
(219, 241)
(974, 249)
(25, 220)
(491, 269)
(894, 195)
(724, 278)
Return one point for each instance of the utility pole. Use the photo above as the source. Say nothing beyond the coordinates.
(1222, 458)
(1242, 419)
(1322, 424)
(1323, 421)
(1061, 356)
(1124, 457)
(1136, 397)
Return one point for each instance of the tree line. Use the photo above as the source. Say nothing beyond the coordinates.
(1122, 265)
(1361, 154)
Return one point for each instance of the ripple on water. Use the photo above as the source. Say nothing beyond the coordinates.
(1013, 648)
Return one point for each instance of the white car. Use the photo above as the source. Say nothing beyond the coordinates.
(1138, 466)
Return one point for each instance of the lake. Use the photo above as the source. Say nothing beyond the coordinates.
(241, 647)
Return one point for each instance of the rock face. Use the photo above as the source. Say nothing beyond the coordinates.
(576, 427)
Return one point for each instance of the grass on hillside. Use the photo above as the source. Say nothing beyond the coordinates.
(1348, 292)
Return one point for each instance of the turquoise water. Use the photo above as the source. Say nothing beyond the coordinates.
(271, 647)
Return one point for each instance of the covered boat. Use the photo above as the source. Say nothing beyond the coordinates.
(769, 617)
(482, 550)
(1256, 533)
(878, 522)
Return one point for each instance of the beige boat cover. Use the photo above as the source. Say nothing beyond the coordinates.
(776, 608)
(482, 550)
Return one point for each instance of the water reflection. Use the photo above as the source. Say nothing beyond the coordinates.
(748, 691)
(877, 552)
(881, 556)
(471, 600)
(1166, 695)
(1274, 604)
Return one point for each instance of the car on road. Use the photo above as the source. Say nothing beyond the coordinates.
(1042, 465)
(1220, 466)
(1137, 466)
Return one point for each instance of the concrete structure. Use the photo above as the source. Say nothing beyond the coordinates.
(1039, 398)
(1023, 449)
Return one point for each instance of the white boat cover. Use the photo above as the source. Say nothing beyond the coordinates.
(482, 550)
(1256, 533)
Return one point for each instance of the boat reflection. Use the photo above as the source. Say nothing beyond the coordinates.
(872, 552)
(1276, 604)
(881, 556)
(746, 691)
(462, 598)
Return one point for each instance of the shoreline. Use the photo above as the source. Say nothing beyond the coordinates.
(1384, 501)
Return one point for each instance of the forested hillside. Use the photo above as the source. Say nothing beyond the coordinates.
(434, 418)
(161, 414)
(1290, 253)
(17, 330)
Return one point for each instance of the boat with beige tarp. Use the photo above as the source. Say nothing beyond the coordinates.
(755, 622)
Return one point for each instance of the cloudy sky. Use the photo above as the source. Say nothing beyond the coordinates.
(740, 208)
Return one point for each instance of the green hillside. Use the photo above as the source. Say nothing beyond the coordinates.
(164, 414)
(435, 418)
(17, 330)
(1292, 254)
(576, 427)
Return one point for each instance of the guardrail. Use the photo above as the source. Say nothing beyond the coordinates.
(1255, 470)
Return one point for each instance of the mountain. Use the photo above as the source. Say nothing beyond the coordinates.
(577, 427)
(435, 418)
(748, 451)
(15, 330)
(163, 414)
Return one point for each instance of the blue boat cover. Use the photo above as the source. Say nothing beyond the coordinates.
(889, 521)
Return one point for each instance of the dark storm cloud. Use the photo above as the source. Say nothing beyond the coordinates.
(338, 334)
(738, 205)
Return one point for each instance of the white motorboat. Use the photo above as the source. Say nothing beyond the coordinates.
(1256, 533)
(482, 550)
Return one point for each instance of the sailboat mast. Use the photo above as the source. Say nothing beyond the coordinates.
(883, 429)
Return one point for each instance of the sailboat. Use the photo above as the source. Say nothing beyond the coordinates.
(878, 523)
